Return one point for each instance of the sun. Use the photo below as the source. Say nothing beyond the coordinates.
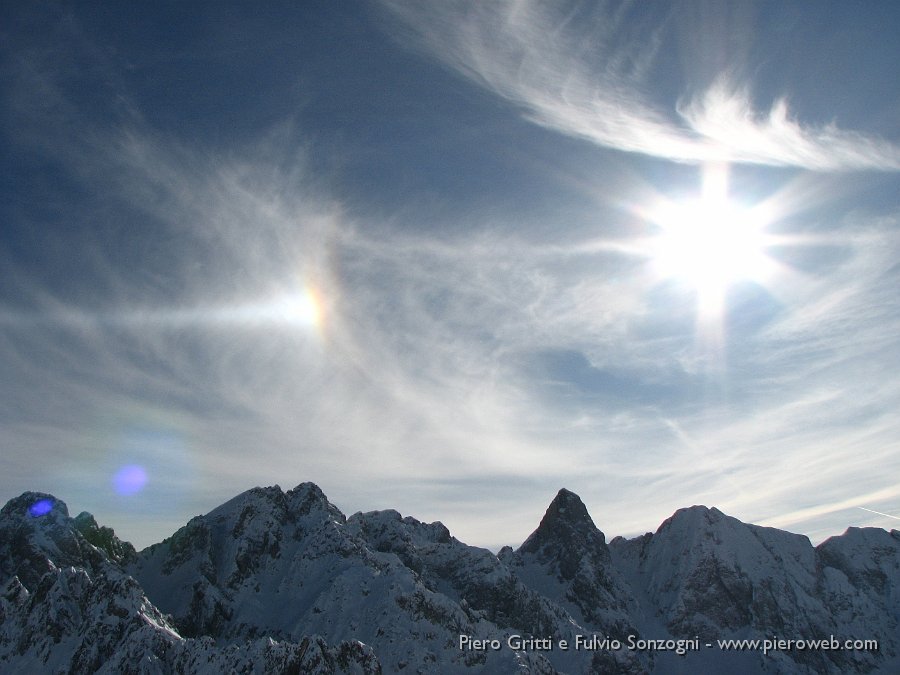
(710, 243)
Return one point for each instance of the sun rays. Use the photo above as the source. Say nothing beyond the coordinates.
(710, 243)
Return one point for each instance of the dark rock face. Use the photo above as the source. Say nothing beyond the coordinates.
(104, 538)
(282, 582)
(568, 546)
(565, 536)
(570, 550)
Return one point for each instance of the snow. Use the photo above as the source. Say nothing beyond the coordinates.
(273, 581)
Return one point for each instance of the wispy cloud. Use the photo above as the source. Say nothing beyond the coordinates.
(725, 119)
(421, 372)
(585, 73)
(432, 382)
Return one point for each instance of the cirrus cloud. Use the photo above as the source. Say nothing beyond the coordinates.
(586, 74)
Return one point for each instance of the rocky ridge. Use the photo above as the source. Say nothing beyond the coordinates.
(275, 581)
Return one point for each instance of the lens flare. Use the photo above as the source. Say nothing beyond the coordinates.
(130, 480)
(40, 508)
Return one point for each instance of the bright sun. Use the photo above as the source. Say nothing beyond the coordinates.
(710, 243)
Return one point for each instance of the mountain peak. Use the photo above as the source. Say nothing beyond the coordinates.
(567, 501)
(34, 505)
(37, 535)
(103, 538)
(566, 510)
(566, 533)
(696, 518)
(308, 497)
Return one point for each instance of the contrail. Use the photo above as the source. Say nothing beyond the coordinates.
(887, 515)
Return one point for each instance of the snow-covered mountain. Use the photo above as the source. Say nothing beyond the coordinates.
(708, 575)
(283, 582)
(68, 606)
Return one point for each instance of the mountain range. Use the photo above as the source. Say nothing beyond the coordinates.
(283, 582)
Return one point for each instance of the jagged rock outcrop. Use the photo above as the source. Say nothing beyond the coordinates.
(568, 547)
(567, 560)
(104, 538)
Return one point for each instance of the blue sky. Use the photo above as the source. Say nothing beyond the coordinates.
(449, 257)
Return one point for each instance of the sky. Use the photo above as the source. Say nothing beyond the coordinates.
(450, 257)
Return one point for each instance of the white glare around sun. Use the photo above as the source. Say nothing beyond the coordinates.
(710, 243)
(301, 308)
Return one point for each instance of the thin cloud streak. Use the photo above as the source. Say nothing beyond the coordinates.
(886, 515)
(586, 76)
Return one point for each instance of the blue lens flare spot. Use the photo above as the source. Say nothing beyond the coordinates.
(40, 508)
(130, 479)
